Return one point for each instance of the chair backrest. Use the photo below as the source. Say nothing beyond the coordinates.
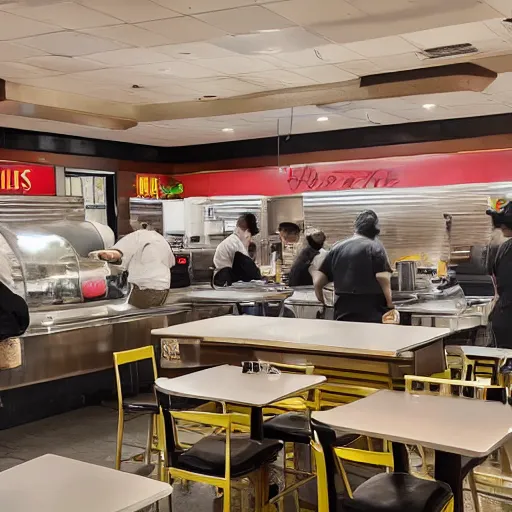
(132, 356)
(172, 446)
(449, 387)
(321, 477)
(331, 394)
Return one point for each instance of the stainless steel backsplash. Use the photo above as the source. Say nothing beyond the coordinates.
(412, 220)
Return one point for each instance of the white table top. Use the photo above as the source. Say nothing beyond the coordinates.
(56, 484)
(481, 352)
(228, 384)
(463, 426)
(306, 334)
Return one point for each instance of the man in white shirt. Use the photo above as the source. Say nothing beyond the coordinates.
(148, 258)
(231, 260)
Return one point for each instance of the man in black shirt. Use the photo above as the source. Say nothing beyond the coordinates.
(360, 270)
(500, 266)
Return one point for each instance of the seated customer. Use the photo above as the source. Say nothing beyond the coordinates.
(309, 260)
(231, 260)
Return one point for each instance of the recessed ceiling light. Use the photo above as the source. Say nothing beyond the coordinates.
(322, 119)
(429, 106)
(228, 130)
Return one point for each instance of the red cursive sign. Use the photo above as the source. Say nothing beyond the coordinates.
(27, 179)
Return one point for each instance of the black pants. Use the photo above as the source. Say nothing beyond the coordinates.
(501, 324)
(351, 307)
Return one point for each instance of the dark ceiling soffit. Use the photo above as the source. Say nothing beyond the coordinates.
(408, 133)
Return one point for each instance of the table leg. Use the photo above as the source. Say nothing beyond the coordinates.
(257, 423)
(400, 458)
(281, 309)
(263, 310)
(448, 470)
(238, 309)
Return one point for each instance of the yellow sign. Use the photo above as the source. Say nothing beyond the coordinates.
(148, 186)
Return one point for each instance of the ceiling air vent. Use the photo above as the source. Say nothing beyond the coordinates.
(450, 51)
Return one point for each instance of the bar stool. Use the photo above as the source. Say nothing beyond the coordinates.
(144, 403)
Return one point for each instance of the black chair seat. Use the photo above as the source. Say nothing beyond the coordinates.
(207, 456)
(144, 402)
(397, 492)
(290, 427)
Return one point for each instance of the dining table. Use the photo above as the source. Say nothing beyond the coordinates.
(51, 483)
(454, 427)
(228, 384)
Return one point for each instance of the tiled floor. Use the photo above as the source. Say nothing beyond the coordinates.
(89, 434)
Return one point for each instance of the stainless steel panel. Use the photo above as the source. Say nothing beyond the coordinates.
(40, 209)
(147, 210)
(411, 219)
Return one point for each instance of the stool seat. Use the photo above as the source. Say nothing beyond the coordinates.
(143, 402)
(397, 492)
(207, 456)
(291, 427)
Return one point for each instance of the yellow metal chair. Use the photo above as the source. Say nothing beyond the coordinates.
(217, 459)
(460, 388)
(140, 403)
(384, 492)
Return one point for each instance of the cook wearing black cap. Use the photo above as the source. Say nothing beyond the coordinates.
(500, 267)
(231, 260)
(309, 260)
(360, 270)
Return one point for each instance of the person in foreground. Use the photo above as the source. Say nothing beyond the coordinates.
(500, 265)
(231, 259)
(360, 270)
(309, 260)
(148, 258)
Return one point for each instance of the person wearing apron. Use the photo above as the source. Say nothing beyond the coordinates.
(231, 259)
(148, 258)
(308, 261)
(360, 270)
(500, 265)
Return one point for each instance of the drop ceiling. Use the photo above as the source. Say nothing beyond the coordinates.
(176, 51)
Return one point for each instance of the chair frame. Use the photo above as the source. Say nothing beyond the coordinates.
(120, 359)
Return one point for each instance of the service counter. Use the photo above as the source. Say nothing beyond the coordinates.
(372, 355)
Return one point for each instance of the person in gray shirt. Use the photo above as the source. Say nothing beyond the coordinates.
(360, 270)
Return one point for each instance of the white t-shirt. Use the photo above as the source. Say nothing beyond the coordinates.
(225, 252)
(148, 258)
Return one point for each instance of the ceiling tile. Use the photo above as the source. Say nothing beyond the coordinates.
(360, 67)
(502, 83)
(175, 69)
(277, 79)
(183, 30)
(452, 99)
(318, 56)
(13, 70)
(373, 116)
(16, 27)
(190, 7)
(12, 52)
(131, 11)
(381, 47)
(245, 20)
(129, 34)
(422, 114)
(311, 12)
(455, 34)
(405, 61)
(236, 65)
(123, 76)
(66, 15)
(194, 51)
(479, 110)
(380, 7)
(223, 86)
(71, 44)
(502, 6)
(129, 57)
(63, 64)
(325, 74)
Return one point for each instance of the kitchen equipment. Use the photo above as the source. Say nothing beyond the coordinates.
(406, 275)
(180, 276)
